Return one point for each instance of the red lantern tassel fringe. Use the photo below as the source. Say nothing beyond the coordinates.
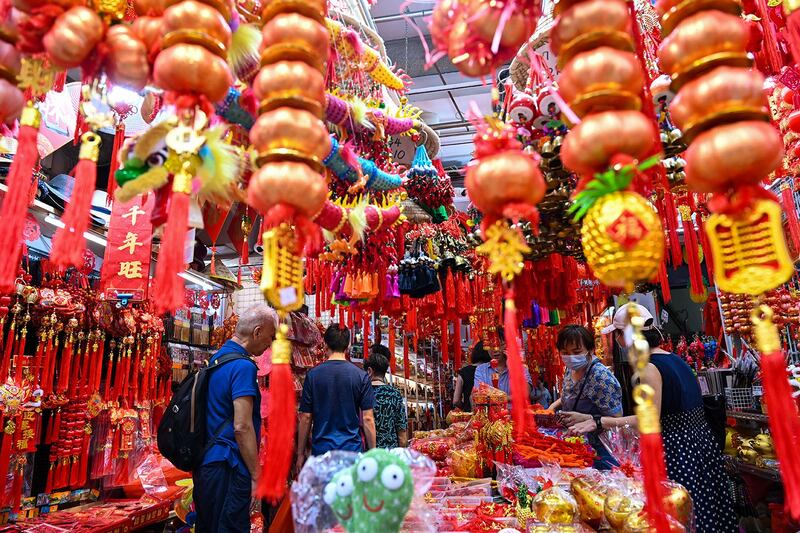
(789, 207)
(655, 474)
(406, 365)
(69, 243)
(457, 345)
(663, 279)
(119, 139)
(785, 426)
(692, 253)
(168, 285)
(793, 29)
(17, 198)
(670, 214)
(445, 342)
(280, 421)
(516, 370)
(392, 346)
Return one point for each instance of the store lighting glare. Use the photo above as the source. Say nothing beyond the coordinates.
(197, 280)
(97, 239)
(119, 95)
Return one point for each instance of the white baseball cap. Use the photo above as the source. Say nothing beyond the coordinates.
(621, 319)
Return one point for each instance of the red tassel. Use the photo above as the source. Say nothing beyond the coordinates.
(457, 344)
(666, 293)
(119, 140)
(280, 424)
(445, 342)
(365, 333)
(770, 41)
(69, 243)
(692, 253)
(671, 217)
(5, 449)
(392, 343)
(793, 33)
(17, 199)
(784, 425)
(168, 285)
(790, 208)
(406, 365)
(516, 369)
(655, 474)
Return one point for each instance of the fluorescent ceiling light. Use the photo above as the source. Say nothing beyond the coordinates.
(54, 221)
(197, 280)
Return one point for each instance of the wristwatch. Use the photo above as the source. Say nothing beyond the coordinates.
(598, 422)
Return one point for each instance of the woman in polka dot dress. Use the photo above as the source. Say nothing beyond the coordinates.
(692, 455)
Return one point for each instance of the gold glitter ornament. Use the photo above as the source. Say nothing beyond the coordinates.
(623, 239)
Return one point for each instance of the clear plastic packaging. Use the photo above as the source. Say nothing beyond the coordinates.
(324, 487)
(554, 504)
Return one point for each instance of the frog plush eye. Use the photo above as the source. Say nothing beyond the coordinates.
(344, 487)
(367, 469)
(330, 493)
(393, 477)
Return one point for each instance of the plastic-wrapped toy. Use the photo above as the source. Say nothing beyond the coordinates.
(363, 493)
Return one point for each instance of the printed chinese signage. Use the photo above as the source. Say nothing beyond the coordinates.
(126, 267)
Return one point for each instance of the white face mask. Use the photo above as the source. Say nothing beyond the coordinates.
(576, 361)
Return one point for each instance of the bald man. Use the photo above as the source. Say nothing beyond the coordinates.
(225, 482)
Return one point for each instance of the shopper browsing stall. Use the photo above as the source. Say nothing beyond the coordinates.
(227, 479)
(391, 417)
(337, 398)
(495, 372)
(589, 390)
(462, 395)
(692, 456)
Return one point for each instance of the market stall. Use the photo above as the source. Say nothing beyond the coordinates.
(167, 165)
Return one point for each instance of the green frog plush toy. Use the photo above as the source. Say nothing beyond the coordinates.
(372, 495)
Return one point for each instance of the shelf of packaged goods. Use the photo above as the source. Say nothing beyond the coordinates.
(765, 473)
(751, 417)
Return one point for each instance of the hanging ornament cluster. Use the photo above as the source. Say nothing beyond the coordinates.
(722, 109)
(288, 188)
(602, 81)
(480, 36)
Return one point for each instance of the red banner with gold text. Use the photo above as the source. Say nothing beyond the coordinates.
(126, 267)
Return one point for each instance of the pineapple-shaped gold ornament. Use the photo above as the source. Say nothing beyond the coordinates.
(621, 234)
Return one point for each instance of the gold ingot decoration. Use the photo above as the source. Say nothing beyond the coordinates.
(112, 9)
(749, 250)
(623, 240)
(35, 75)
(505, 248)
(282, 274)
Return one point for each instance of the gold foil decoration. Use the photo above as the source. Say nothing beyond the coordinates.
(35, 75)
(623, 240)
(282, 274)
(647, 415)
(749, 251)
(505, 248)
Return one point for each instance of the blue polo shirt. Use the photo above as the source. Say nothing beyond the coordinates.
(235, 379)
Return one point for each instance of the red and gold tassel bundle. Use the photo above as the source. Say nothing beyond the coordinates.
(520, 404)
(18, 197)
(69, 243)
(167, 284)
(650, 444)
(784, 420)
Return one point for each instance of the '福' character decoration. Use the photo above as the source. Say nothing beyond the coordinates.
(723, 111)
(288, 189)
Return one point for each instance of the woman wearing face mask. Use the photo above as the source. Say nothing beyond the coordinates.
(590, 390)
(693, 457)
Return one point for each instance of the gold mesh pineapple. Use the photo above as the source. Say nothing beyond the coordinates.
(622, 236)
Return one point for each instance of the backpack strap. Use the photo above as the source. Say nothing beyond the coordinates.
(218, 362)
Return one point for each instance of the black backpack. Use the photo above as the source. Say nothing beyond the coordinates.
(182, 430)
